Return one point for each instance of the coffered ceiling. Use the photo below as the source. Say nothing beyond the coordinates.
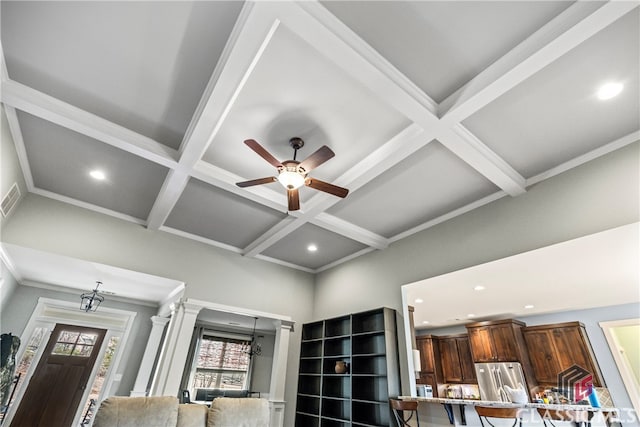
(432, 109)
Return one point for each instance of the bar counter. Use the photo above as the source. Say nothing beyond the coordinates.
(444, 412)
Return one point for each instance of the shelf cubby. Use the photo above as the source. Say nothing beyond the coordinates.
(311, 366)
(312, 331)
(337, 386)
(371, 321)
(337, 327)
(339, 409)
(371, 414)
(374, 389)
(311, 349)
(309, 385)
(369, 344)
(307, 420)
(369, 365)
(337, 346)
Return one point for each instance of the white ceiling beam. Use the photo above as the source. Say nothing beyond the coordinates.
(172, 187)
(469, 148)
(273, 235)
(338, 42)
(18, 140)
(66, 115)
(572, 27)
(251, 35)
(349, 230)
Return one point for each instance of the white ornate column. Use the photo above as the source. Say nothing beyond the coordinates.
(175, 350)
(279, 373)
(149, 357)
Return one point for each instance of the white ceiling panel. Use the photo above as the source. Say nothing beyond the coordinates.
(61, 160)
(430, 183)
(294, 248)
(555, 115)
(441, 45)
(207, 211)
(143, 65)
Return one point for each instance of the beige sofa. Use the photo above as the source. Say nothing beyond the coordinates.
(165, 411)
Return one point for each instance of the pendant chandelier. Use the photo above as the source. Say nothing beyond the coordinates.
(89, 301)
(255, 349)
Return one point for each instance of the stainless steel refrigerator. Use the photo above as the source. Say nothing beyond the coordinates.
(493, 377)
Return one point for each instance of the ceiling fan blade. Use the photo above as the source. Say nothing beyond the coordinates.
(258, 181)
(294, 199)
(320, 156)
(326, 187)
(262, 152)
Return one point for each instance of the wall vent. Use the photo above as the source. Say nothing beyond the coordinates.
(10, 200)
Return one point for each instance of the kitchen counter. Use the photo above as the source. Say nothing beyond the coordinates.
(607, 415)
(474, 402)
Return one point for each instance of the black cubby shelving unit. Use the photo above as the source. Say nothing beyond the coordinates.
(367, 342)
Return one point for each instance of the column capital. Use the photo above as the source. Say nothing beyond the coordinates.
(284, 324)
(191, 308)
(159, 320)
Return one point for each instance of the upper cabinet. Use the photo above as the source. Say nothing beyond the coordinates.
(456, 359)
(556, 347)
(496, 341)
(430, 372)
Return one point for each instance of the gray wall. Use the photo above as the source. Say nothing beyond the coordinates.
(25, 298)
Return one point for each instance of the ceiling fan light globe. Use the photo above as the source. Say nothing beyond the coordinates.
(291, 180)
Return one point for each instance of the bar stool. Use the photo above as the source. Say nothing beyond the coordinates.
(399, 408)
(497, 412)
(578, 417)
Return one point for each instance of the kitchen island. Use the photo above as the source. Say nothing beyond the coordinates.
(444, 412)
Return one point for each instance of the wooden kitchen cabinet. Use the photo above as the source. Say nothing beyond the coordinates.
(430, 360)
(455, 359)
(556, 347)
(496, 341)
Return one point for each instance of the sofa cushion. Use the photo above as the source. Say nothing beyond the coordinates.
(157, 411)
(238, 412)
(192, 415)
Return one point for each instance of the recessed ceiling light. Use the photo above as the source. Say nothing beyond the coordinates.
(425, 322)
(528, 306)
(471, 315)
(609, 90)
(312, 248)
(479, 288)
(97, 174)
(419, 300)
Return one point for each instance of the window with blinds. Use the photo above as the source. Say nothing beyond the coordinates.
(221, 362)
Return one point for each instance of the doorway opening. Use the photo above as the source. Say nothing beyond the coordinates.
(623, 337)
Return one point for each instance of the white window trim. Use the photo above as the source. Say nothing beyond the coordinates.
(47, 313)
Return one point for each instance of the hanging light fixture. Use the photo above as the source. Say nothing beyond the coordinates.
(89, 301)
(256, 348)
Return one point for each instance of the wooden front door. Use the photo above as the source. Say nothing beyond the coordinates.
(56, 387)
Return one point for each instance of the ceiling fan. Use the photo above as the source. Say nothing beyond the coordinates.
(292, 174)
